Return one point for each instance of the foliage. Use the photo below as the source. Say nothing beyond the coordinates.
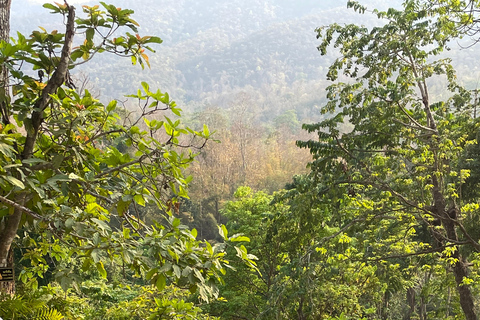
(28, 306)
(248, 154)
(48, 314)
(293, 281)
(397, 175)
(98, 299)
(385, 226)
(143, 302)
(246, 292)
(461, 16)
(70, 189)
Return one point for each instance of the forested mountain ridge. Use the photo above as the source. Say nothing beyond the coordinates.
(212, 49)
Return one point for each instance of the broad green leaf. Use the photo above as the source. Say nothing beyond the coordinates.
(223, 232)
(139, 199)
(101, 269)
(14, 181)
(161, 282)
(112, 105)
(176, 222)
(238, 238)
(177, 271)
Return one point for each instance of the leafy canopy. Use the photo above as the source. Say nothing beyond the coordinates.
(75, 171)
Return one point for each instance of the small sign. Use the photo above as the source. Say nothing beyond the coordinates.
(6, 274)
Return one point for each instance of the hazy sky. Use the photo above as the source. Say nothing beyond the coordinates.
(61, 1)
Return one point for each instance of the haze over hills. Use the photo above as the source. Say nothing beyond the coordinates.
(215, 49)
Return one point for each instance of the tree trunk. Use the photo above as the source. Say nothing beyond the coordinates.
(384, 313)
(423, 309)
(8, 287)
(301, 315)
(5, 19)
(411, 303)
(4, 35)
(7, 235)
(6, 253)
(466, 298)
(460, 271)
(10, 224)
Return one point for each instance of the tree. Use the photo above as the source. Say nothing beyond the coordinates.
(247, 292)
(296, 282)
(68, 188)
(4, 34)
(5, 28)
(402, 160)
(463, 15)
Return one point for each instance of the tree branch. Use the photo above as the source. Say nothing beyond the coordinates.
(413, 120)
(17, 206)
(57, 79)
(120, 167)
(411, 254)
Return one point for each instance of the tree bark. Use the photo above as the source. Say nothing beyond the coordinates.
(460, 270)
(5, 19)
(4, 35)
(6, 259)
(9, 225)
(447, 217)
(411, 303)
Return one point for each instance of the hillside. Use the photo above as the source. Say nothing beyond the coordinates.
(214, 49)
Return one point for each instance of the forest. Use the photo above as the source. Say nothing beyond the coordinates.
(239, 160)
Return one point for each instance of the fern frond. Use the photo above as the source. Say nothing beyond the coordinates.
(48, 314)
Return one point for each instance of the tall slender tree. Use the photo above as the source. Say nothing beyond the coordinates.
(402, 159)
(5, 19)
(8, 287)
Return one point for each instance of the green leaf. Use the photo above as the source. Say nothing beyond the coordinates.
(145, 87)
(73, 176)
(112, 105)
(223, 232)
(51, 7)
(69, 223)
(90, 33)
(161, 282)
(76, 54)
(14, 181)
(177, 271)
(151, 273)
(102, 224)
(239, 238)
(139, 199)
(122, 206)
(7, 150)
(101, 269)
(13, 165)
(206, 131)
(154, 40)
(186, 271)
(198, 275)
(176, 222)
